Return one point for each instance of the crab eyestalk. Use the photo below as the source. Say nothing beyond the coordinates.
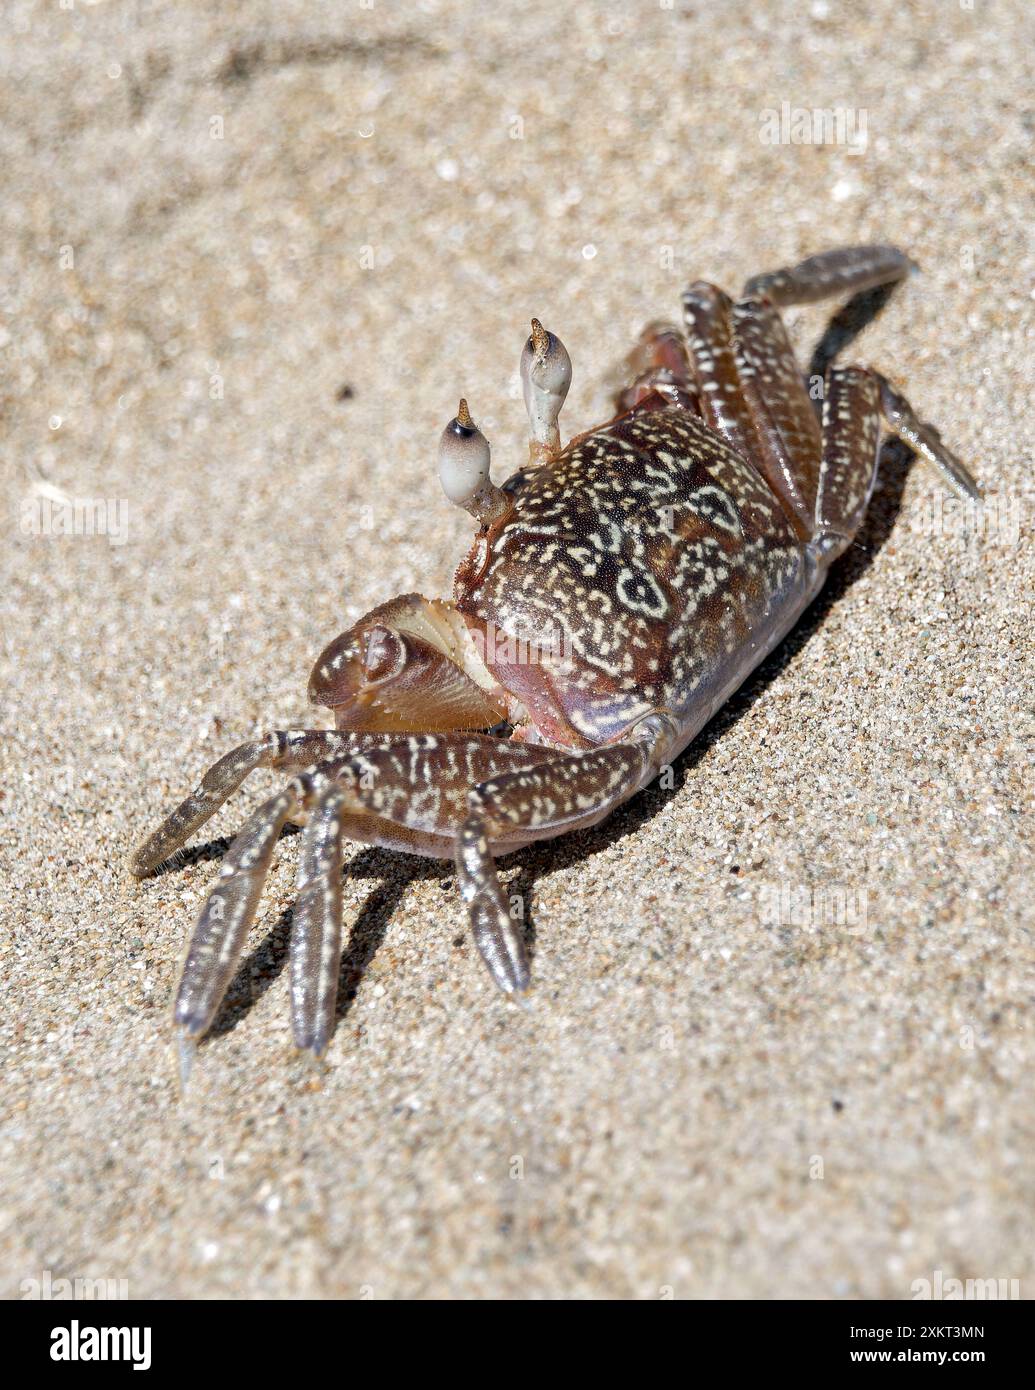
(463, 468)
(545, 378)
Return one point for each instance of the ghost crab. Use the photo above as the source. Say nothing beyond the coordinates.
(618, 591)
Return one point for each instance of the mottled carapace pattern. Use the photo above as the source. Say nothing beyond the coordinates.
(636, 566)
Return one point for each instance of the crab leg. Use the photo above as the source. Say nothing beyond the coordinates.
(408, 794)
(709, 332)
(848, 269)
(658, 362)
(443, 795)
(732, 399)
(783, 416)
(853, 404)
(567, 793)
(230, 908)
(218, 938)
(316, 930)
(291, 750)
(851, 429)
(770, 375)
(660, 348)
(924, 440)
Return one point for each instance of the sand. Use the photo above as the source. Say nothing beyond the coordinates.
(780, 1039)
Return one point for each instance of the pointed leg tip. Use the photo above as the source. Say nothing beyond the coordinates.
(516, 984)
(186, 1051)
(522, 996)
(314, 1048)
(959, 480)
(973, 488)
(138, 865)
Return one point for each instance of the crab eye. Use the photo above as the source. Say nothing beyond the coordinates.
(463, 458)
(545, 378)
(463, 468)
(545, 363)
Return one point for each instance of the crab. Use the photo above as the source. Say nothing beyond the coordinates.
(618, 591)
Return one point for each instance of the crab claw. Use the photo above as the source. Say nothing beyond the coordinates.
(406, 668)
(545, 378)
(463, 468)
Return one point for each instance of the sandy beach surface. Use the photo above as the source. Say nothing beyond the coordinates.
(780, 1039)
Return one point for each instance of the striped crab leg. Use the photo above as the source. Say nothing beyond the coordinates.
(409, 794)
(287, 750)
(468, 796)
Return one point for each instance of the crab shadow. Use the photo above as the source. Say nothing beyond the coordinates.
(393, 873)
